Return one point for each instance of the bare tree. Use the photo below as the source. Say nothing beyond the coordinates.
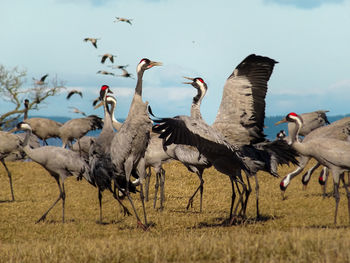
(13, 90)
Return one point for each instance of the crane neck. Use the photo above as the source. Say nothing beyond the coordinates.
(116, 124)
(107, 125)
(25, 145)
(295, 142)
(138, 89)
(196, 104)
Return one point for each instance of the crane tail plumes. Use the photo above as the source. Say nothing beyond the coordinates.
(274, 153)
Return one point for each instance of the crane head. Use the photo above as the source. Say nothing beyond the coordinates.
(291, 117)
(145, 64)
(104, 90)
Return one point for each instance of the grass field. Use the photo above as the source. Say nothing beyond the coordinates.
(298, 229)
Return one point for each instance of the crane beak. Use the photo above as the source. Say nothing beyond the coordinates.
(154, 63)
(284, 120)
(188, 79)
(109, 91)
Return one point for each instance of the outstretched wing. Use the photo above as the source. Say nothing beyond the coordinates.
(242, 110)
(195, 132)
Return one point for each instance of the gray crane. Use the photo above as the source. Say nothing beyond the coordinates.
(99, 157)
(122, 19)
(236, 140)
(113, 102)
(72, 92)
(41, 81)
(11, 150)
(130, 142)
(189, 155)
(92, 40)
(77, 128)
(9, 143)
(109, 56)
(85, 143)
(337, 130)
(330, 152)
(60, 163)
(43, 128)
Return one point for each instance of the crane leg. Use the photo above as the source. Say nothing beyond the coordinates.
(63, 201)
(337, 198)
(240, 201)
(162, 193)
(233, 196)
(248, 192)
(100, 203)
(115, 195)
(200, 188)
(347, 194)
(10, 179)
(307, 176)
(257, 196)
(156, 187)
(43, 217)
(147, 181)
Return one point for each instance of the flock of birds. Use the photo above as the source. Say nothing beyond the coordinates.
(120, 158)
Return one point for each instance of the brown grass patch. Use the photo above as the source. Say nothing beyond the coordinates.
(298, 229)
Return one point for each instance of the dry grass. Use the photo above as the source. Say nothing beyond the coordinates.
(298, 229)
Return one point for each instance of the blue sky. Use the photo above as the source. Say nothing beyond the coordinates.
(309, 38)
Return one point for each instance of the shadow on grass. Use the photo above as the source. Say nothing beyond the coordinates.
(67, 221)
(183, 211)
(7, 201)
(226, 222)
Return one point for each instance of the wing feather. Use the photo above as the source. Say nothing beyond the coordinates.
(242, 110)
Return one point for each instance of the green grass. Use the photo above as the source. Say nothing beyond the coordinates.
(298, 229)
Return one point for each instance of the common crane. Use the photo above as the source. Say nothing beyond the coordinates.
(59, 162)
(236, 140)
(92, 40)
(330, 152)
(129, 144)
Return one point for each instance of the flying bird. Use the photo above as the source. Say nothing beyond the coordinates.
(125, 74)
(40, 81)
(118, 66)
(72, 92)
(121, 19)
(92, 40)
(76, 110)
(107, 55)
(103, 72)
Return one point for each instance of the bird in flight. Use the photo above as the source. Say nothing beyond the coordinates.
(76, 110)
(125, 74)
(107, 55)
(40, 81)
(121, 19)
(103, 72)
(92, 40)
(118, 66)
(72, 92)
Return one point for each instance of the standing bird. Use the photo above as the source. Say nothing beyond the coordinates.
(92, 40)
(121, 19)
(100, 160)
(129, 144)
(77, 128)
(337, 130)
(40, 81)
(9, 143)
(107, 55)
(59, 162)
(236, 140)
(43, 128)
(189, 156)
(330, 152)
(113, 102)
(74, 91)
